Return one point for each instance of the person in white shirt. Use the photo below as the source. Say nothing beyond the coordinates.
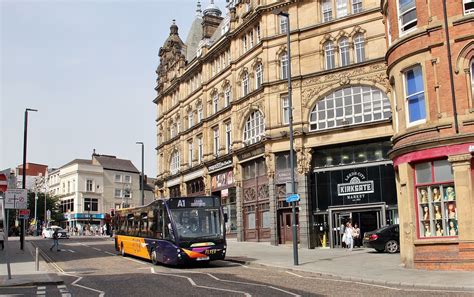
(349, 232)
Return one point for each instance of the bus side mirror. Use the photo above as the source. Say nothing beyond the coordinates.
(226, 218)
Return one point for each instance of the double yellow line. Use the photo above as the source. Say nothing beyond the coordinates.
(48, 259)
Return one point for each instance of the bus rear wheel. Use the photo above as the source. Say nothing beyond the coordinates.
(122, 250)
(154, 257)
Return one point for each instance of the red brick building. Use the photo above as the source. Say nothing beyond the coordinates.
(33, 171)
(430, 69)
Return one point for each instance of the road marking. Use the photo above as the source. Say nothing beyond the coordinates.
(375, 285)
(199, 286)
(71, 251)
(136, 261)
(79, 278)
(253, 284)
(41, 288)
(109, 253)
(99, 250)
(40, 292)
(61, 287)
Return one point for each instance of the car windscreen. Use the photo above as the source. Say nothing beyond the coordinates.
(202, 223)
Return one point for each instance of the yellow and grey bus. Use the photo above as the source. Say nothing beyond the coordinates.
(172, 231)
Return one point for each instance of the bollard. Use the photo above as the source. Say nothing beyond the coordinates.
(37, 259)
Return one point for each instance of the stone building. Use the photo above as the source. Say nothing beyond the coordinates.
(89, 188)
(223, 114)
(430, 67)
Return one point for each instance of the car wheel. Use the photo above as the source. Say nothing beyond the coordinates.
(154, 257)
(122, 250)
(391, 246)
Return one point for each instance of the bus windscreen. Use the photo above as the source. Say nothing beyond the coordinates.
(196, 224)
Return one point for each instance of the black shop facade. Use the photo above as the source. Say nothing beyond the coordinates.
(356, 183)
(223, 186)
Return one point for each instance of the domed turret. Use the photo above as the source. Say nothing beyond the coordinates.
(212, 9)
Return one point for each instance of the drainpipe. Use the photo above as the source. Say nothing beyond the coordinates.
(451, 78)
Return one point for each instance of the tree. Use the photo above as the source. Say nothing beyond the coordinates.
(52, 203)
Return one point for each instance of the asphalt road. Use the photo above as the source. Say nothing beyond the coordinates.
(91, 267)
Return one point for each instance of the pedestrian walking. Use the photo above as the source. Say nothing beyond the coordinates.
(55, 240)
(2, 239)
(348, 235)
(356, 235)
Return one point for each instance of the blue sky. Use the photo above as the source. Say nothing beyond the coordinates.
(89, 68)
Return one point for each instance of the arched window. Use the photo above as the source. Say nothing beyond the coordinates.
(359, 47)
(245, 84)
(227, 95)
(472, 78)
(344, 51)
(174, 164)
(215, 103)
(258, 75)
(329, 55)
(284, 66)
(254, 128)
(350, 106)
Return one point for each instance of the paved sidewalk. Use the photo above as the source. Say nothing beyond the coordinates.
(365, 265)
(22, 264)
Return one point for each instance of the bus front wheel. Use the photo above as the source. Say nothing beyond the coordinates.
(154, 257)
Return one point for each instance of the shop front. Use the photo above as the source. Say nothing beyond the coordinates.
(354, 183)
(284, 209)
(223, 186)
(86, 223)
(255, 198)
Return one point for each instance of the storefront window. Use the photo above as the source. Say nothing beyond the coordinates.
(436, 199)
(359, 153)
(251, 220)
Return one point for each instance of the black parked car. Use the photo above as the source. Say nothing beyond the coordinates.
(384, 239)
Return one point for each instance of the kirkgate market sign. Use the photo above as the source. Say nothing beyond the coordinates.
(356, 186)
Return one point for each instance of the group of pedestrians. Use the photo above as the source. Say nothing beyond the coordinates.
(350, 235)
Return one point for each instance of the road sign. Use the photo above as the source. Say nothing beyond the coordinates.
(2, 211)
(3, 182)
(293, 198)
(16, 199)
(24, 214)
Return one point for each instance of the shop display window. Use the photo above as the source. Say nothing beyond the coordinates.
(436, 199)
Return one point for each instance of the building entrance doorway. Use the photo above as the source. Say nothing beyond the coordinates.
(367, 217)
(285, 226)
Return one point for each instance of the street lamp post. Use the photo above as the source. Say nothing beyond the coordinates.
(286, 15)
(36, 206)
(23, 182)
(143, 171)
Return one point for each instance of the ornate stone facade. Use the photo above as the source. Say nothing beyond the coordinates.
(232, 86)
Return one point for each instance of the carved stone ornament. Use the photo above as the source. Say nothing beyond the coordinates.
(303, 160)
(250, 194)
(270, 162)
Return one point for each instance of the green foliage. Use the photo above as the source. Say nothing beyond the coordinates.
(52, 203)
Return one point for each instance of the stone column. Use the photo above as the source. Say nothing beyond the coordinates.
(305, 216)
(239, 199)
(406, 213)
(270, 162)
(304, 156)
(463, 185)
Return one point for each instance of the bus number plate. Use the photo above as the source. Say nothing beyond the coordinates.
(202, 259)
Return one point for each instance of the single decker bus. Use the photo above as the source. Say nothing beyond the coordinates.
(172, 231)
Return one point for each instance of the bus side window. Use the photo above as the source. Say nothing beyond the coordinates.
(143, 224)
(129, 230)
